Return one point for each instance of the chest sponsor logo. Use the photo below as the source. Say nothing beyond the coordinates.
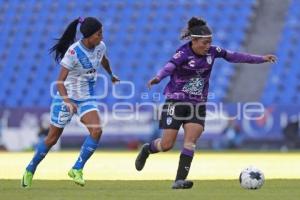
(194, 86)
(83, 58)
(91, 75)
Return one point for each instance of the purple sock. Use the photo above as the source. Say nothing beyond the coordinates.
(187, 152)
(153, 148)
(185, 161)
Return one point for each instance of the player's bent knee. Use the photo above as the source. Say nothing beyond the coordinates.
(96, 132)
(166, 146)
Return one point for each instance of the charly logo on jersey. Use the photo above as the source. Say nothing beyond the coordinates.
(169, 120)
(192, 63)
(209, 59)
(178, 54)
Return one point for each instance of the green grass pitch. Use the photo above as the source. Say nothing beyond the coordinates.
(111, 175)
(274, 189)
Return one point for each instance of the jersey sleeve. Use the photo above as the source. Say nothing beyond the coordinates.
(103, 46)
(103, 49)
(237, 57)
(167, 70)
(178, 58)
(69, 59)
(219, 52)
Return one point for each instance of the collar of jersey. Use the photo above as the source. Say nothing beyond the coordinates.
(84, 47)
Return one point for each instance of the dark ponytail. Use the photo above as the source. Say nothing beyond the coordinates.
(196, 26)
(88, 27)
(66, 40)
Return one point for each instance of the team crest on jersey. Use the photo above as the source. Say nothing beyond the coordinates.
(209, 60)
(169, 120)
(218, 49)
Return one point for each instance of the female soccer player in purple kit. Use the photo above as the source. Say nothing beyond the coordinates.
(186, 93)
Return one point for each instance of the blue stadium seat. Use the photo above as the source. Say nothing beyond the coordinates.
(284, 75)
(140, 36)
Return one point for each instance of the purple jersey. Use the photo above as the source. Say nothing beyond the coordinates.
(190, 72)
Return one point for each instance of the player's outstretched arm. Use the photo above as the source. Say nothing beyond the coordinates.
(238, 57)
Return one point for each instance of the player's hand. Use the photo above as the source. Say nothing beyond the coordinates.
(115, 79)
(270, 58)
(72, 107)
(153, 81)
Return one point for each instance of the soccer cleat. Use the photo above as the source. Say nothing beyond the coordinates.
(182, 184)
(76, 175)
(142, 157)
(26, 181)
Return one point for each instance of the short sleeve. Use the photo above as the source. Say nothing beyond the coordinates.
(178, 58)
(102, 49)
(68, 60)
(103, 46)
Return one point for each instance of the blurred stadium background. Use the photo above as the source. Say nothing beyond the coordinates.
(140, 37)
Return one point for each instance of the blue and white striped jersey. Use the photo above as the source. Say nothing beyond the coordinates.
(82, 64)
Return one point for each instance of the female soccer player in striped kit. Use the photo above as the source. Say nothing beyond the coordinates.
(75, 85)
(186, 94)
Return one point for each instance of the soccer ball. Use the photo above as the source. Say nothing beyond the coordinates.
(252, 178)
